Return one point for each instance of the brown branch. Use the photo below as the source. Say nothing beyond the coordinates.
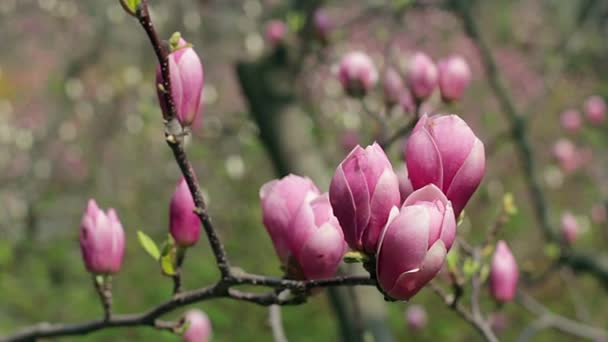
(557, 322)
(275, 322)
(482, 327)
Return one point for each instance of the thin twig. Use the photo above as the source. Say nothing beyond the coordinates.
(558, 322)
(276, 323)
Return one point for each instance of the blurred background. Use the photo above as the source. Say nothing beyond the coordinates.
(79, 119)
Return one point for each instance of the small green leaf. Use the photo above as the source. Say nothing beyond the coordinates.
(452, 259)
(354, 257)
(168, 257)
(166, 264)
(460, 219)
(148, 244)
(552, 250)
(130, 6)
(295, 20)
(180, 330)
(470, 267)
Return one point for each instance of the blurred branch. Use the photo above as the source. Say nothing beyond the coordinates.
(276, 323)
(518, 128)
(548, 319)
(481, 326)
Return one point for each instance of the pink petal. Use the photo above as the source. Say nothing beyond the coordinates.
(467, 179)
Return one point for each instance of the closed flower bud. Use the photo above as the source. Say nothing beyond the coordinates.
(275, 32)
(281, 199)
(416, 318)
(567, 155)
(407, 103)
(454, 77)
(102, 240)
(405, 184)
(504, 273)
(422, 76)
(316, 240)
(595, 108)
(184, 224)
(569, 227)
(444, 151)
(362, 192)
(415, 242)
(357, 73)
(322, 25)
(199, 327)
(187, 79)
(571, 120)
(393, 86)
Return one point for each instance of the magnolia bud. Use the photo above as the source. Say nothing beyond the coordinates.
(571, 120)
(569, 227)
(362, 192)
(407, 103)
(454, 77)
(416, 317)
(595, 108)
(567, 155)
(357, 73)
(275, 32)
(316, 240)
(393, 86)
(322, 25)
(422, 76)
(102, 240)
(187, 79)
(281, 200)
(184, 224)
(199, 327)
(415, 242)
(444, 151)
(504, 273)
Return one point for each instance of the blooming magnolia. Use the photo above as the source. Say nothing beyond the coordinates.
(362, 192)
(184, 224)
(315, 239)
(569, 228)
(357, 73)
(415, 242)
(281, 199)
(102, 240)
(444, 151)
(504, 273)
(187, 79)
(454, 77)
(422, 76)
(393, 86)
(275, 32)
(199, 327)
(595, 108)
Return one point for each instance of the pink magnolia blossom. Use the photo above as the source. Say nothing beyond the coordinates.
(422, 76)
(454, 77)
(595, 108)
(184, 224)
(504, 273)
(281, 199)
(415, 242)
(199, 327)
(187, 79)
(444, 151)
(362, 192)
(102, 240)
(357, 73)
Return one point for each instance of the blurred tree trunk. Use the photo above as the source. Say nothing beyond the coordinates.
(285, 130)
